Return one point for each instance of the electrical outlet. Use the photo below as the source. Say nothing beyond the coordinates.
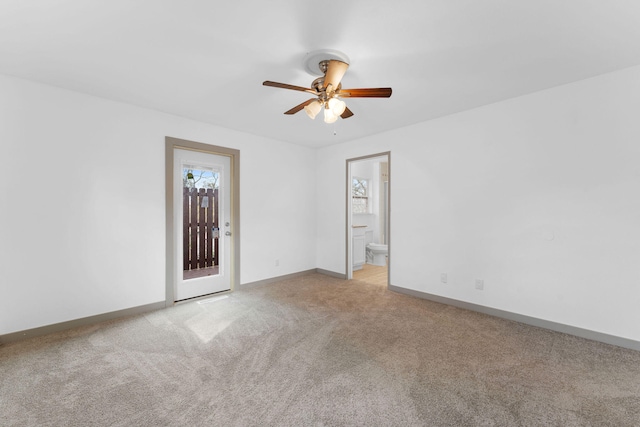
(479, 284)
(443, 277)
(277, 263)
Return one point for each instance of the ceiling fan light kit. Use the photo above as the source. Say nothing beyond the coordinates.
(337, 106)
(328, 90)
(313, 109)
(329, 115)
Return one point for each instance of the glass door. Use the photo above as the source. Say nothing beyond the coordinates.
(202, 203)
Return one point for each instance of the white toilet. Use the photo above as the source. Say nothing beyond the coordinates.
(377, 253)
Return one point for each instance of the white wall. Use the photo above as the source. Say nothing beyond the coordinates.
(538, 196)
(82, 194)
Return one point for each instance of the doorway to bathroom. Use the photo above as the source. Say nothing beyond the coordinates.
(368, 219)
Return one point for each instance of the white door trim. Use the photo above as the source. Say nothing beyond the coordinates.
(170, 145)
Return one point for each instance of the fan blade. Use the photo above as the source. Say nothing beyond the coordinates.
(292, 87)
(380, 92)
(300, 106)
(347, 113)
(335, 71)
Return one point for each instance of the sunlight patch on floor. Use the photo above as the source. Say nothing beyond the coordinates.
(213, 299)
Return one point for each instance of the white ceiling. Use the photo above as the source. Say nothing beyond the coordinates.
(207, 59)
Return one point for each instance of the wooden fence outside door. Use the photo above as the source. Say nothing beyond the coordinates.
(200, 217)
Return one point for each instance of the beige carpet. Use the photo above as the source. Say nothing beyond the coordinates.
(317, 351)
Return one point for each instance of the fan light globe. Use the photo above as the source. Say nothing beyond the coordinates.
(313, 109)
(337, 106)
(329, 116)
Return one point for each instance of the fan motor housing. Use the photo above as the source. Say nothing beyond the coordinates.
(313, 61)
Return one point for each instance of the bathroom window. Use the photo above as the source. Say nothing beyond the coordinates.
(360, 196)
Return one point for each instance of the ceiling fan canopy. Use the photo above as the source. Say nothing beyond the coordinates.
(327, 89)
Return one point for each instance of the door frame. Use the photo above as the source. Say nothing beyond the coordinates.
(176, 143)
(348, 222)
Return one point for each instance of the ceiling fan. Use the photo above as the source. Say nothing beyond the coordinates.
(327, 89)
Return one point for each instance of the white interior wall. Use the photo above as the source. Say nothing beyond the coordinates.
(83, 203)
(537, 196)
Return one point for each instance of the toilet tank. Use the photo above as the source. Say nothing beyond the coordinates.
(368, 237)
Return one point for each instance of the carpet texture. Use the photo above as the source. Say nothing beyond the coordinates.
(317, 351)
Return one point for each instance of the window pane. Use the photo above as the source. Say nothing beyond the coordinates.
(359, 187)
(359, 193)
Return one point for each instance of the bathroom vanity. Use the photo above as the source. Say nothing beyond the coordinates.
(361, 236)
